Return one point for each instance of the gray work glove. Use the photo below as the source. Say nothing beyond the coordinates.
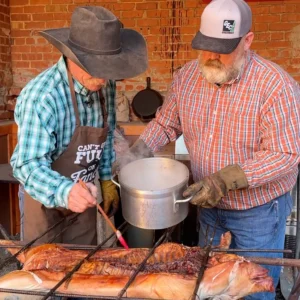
(137, 151)
(209, 191)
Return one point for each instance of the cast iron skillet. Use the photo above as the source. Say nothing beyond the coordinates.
(146, 102)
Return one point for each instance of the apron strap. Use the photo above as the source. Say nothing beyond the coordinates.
(104, 111)
(71, 84)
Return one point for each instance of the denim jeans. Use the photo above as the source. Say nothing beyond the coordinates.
(261, 227)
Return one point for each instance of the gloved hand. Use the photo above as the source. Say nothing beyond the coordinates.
(209, 191)
(137, 151)
(110, 196)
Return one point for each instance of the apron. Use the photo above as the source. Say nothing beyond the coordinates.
(80, 160)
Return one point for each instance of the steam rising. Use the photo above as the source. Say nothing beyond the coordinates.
(126, 154)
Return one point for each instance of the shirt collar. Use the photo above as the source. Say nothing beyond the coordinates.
(78, 87)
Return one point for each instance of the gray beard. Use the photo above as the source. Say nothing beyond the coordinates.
(215, 72)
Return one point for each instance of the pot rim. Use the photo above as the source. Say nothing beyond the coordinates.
(160, 191)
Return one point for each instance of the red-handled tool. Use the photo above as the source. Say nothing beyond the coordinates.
(117, 232)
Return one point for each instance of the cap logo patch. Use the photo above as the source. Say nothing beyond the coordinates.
(228, 26)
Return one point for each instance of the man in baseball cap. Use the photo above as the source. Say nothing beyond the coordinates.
(239, 115)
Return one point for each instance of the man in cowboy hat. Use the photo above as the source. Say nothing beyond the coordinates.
(66, 119)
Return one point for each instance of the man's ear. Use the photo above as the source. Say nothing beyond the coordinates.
(248, 40)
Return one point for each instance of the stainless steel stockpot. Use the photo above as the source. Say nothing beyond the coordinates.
(151, 192)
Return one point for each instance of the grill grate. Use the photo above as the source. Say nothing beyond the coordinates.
(53, 292)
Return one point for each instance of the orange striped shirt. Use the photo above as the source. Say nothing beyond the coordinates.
(253, 121)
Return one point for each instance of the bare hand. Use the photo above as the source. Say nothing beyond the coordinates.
(81, 199)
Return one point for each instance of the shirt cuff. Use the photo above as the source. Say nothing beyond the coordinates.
(62, 194)
(105, 177)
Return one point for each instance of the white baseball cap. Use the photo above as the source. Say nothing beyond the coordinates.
(223, 24)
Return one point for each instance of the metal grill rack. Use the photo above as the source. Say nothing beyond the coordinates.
(166, 236)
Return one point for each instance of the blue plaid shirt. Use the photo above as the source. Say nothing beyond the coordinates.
(46, 122)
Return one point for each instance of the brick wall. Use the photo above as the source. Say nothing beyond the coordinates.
(5, 59)
(168, 27)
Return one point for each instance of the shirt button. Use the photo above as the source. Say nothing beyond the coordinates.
(210, 136)
(206, 157)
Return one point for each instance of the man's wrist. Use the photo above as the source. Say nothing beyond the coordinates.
(62, 193)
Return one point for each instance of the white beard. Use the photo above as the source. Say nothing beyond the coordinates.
(215, 72)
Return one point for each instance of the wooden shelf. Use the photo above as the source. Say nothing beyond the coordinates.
(9, 214)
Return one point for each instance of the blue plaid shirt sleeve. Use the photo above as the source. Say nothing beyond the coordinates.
(31, 161)
(109, 155)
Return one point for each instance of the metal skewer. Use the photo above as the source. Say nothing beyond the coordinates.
(253, 250)
(117, 232)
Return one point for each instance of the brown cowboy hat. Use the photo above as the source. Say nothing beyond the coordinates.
(98, 44)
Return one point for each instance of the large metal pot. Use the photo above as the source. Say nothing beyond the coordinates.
(151, 192)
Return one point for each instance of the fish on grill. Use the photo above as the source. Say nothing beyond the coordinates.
(170, 272)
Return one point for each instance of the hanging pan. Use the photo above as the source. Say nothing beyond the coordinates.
(146, 102)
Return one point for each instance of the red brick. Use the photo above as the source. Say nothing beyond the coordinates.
(42, 17)
(20, 49)
(277, 35)
(20, 17)
(17, 25)
(266, 19)
(261, 27)
(129, 23)
(146, 6)
(30, 41)
(56, 24)
(40, 64)
(260, 10)
(61, 16)
(277, 9)
(123, 6)
(158, 13)
(18, 2)
(20, 33)
(133, 14)
(61, 1)
(34, 9)
(191, 4)
(32, 56)
(147, 22)
(279, 44)
(20, 64)
(282, 26)
(41, 48)
(34, 25)
(16, 10)
(19, 41)
(56, 8)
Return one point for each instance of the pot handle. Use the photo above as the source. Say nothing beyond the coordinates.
(116, 183)
(184, 200)
(177, 202)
